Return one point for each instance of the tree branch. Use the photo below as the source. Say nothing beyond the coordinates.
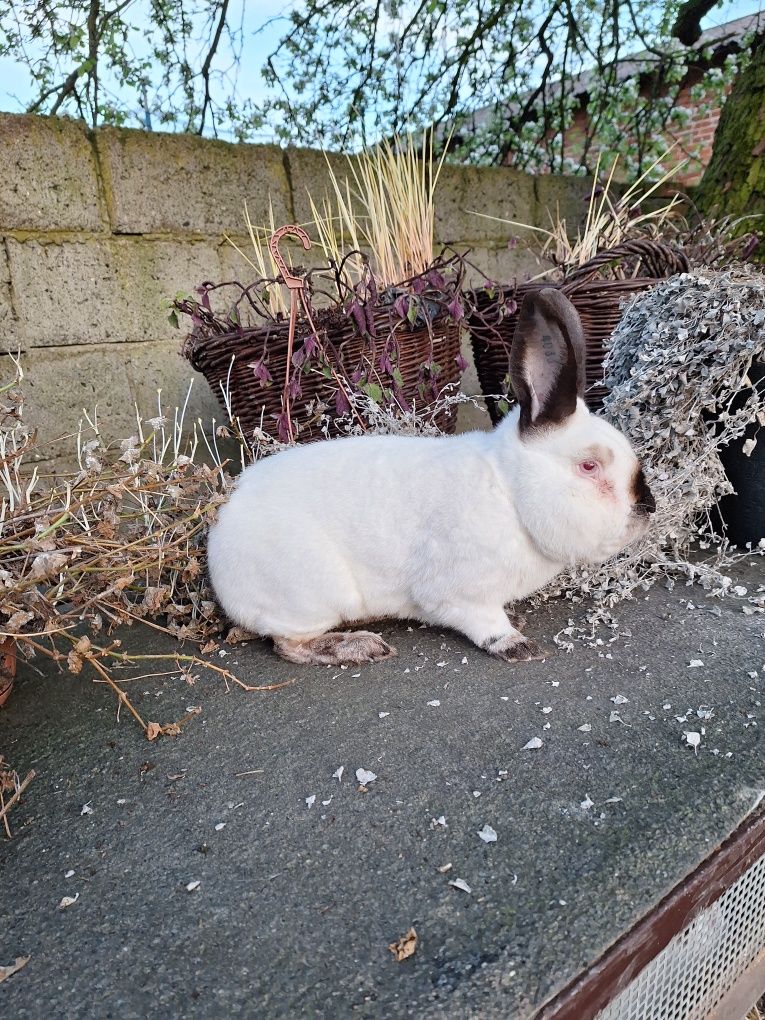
(205, 72)
(93, 41)
(687, 27)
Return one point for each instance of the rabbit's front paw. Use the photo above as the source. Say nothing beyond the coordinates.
(513, 649)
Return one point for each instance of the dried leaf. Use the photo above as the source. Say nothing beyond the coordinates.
(14, 624)
(74, 662)
(21, 961)
(487, 834)
(694, 739)
(46, 564)
(460, 883)
(404, 947)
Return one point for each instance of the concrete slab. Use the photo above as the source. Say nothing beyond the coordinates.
(98, 292)
(464, 191)
(296, 903)
(50, 177)
(180, 183)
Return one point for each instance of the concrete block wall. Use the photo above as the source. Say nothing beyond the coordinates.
(100, 230)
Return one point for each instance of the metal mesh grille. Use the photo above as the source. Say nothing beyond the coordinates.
(690, 976)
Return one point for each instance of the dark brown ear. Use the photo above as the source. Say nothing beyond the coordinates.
(547, 358)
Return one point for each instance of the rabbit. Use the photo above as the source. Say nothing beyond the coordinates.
(447, 530)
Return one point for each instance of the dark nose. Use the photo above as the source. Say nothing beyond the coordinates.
(644, 501)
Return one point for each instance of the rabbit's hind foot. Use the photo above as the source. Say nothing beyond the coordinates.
(337, 648)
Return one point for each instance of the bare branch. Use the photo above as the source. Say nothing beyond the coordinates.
(205, 72)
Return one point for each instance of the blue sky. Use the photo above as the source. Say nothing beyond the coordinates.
(264, 22)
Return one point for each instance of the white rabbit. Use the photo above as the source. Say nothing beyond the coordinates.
(447, 530)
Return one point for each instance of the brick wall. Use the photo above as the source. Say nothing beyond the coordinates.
(99, 230)
(693, 141)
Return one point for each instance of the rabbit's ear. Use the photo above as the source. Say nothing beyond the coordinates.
(547, 358)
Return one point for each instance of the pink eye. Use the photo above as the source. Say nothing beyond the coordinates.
(589, 467)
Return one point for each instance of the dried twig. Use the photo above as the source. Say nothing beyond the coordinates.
(6, 805)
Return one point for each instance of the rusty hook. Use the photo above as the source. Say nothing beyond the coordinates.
(291, 281)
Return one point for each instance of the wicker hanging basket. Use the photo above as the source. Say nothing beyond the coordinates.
(225, 360)
(598, 301)
(268, 375)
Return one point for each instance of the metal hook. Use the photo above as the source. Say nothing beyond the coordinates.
(291, 281)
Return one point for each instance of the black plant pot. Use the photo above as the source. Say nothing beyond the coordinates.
(744, 512)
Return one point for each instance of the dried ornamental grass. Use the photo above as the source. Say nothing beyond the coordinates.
(677, 361)
(611, 220)
(120, 540)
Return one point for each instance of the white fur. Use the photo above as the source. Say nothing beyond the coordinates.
(445, 530)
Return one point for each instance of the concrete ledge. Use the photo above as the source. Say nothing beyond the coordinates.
(297, 904)
(50, 178)
(167, 183)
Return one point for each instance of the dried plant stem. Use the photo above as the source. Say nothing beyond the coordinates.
(7, 805)
(195, 660)
(121, 696)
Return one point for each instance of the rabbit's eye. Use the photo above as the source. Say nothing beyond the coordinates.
(589, 467)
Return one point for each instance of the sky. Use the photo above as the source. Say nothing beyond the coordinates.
(264, 22)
